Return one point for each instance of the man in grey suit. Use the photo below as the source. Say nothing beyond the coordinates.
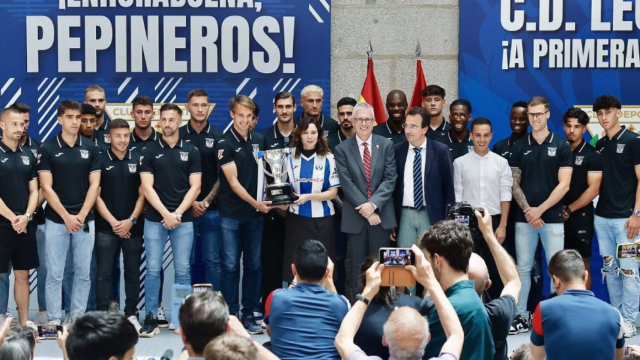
(367, 170)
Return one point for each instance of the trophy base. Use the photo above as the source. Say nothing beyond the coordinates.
(280, 194)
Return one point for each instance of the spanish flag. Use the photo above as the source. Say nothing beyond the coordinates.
(416, 98)
(371, 94)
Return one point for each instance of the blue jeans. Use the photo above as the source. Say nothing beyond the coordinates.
(208, 227)
(58, 243)
(552, 236)
(241, 238)
(155, 238)
(624, 289)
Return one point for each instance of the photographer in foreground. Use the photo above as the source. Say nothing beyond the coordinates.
(406, 333)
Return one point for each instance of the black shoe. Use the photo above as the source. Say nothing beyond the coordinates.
(150, 327)
(519, 325)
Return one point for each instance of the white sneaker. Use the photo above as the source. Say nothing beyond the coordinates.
(172, 326)
(67, 321)
(162, 319)
(629, 329)
(134, 320)
(42, 318)
(177, 330)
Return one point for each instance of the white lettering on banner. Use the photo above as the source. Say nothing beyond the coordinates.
(64, 4)
(575, 52)
(137, 41)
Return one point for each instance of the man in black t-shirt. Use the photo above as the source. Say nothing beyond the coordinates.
(171, 174)
(585, 184)
(311, 100)
(119, 222)
(458, 139)
(69, 173)
(618, 211)
(18, 201)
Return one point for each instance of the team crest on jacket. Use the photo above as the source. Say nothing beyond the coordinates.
(620, 148)
(184, 156)
(132, 168)
(84, 154)
(551, 151)
(209, 143)
(579, 160)
(25, 160)
(106, 139)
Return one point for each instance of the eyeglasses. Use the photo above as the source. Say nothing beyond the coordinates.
(363, 120)
(536, 115)
(410, 127)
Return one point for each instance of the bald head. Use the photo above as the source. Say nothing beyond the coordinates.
(406, 333)
(479, 273)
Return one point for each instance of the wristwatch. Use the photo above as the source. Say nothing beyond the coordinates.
(133, 220)
(206, 203)
(363, 299)
(636, 212)
(179, 214)
(29, 216)
(568, 211)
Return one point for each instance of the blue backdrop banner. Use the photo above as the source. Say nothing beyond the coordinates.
(54, 49)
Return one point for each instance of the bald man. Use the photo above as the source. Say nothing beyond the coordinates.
(502, 310)
(393, 129)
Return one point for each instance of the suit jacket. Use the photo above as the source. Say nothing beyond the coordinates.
(354, 183)
(437, 183)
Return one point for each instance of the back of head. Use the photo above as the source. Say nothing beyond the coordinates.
(450, 240)
(567, 265)
(203, 317)
(521, 353)
(478, 272)
(386, 295)
(311, 261)
(406, 333)
(231, 347)
(15, 348)
(26, 334)
(99, 336)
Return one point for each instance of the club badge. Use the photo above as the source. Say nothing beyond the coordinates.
(133, 168)
(184, 156)
(551, 151)
(84, 154)
(579, 160)
(209, 143)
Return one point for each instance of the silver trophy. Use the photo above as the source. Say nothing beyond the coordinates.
(279, 192)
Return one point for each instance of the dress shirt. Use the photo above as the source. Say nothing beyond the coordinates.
(482, 180)
(361, 147)
(407, 197)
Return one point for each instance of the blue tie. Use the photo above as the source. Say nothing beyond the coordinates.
(417, 180)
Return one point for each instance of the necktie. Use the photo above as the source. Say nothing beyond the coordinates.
(417, 180)
(366, 160)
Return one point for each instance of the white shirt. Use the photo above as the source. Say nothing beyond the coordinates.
(407, 197)
(361, 147)
(482, 180)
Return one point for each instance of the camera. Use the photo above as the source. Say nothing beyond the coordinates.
(464, 214)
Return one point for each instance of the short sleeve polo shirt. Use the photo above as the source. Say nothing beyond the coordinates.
(385, 131)
(171, 167)
(17, 169)
(70, 167)
(206, 141)
(234, 149)
(328, 124)
(539, 165)
(585, 160)
(119, 189)
(620, 158)
(504, 147)
(456, 148)
(138, 143)
(273, 139)
(440, 131)
(33, 145)
(100, 134)
(561, 326)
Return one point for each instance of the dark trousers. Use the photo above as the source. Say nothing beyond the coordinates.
(105, 249)
(366, 243)
(272, 254)
(482, 248)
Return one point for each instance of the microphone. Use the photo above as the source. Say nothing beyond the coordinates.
(168, 355)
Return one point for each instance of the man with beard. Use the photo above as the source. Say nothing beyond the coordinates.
(346, 130)
(392, 129)
(585, 186)
(143, 133)
(311, 101)
(95, 96)
(433, 101)
(458, 139)
(171, 174)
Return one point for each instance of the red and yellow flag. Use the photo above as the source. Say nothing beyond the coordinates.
(416, 97)
(371, 94)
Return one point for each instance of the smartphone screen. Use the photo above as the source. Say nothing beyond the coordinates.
(396, 257)
(628, 251)
(49, 331)
(463, 219)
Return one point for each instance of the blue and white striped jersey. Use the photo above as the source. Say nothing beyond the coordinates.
(312, 176)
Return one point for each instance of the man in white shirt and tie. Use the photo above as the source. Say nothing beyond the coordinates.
(483, 178)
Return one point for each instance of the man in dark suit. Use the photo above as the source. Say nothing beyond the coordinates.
(425, 180)
(367, 174)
